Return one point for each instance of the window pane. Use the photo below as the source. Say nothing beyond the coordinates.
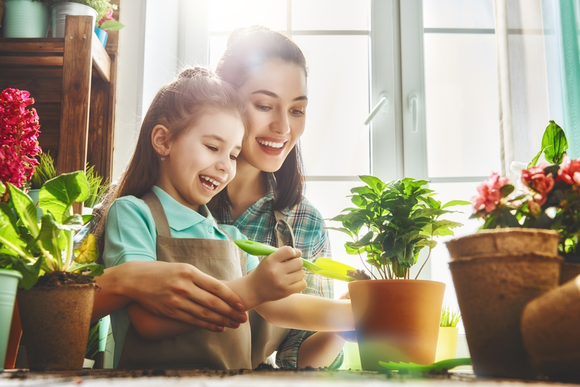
(330, 14)
(335, 141)
(458, 14)
(440, 255)
(462, 105)
(226, 15)
(330, 198)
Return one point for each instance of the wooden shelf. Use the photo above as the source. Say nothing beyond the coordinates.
(72, 80)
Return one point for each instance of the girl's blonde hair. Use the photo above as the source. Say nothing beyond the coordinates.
(178, 106)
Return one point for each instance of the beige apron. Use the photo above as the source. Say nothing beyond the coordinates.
(221, 259)
(266, 338)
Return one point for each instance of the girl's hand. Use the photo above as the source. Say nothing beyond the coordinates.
(278, 275)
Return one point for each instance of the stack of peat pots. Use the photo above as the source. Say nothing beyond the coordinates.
(495, 274)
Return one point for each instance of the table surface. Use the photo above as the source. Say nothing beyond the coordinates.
(241, 378)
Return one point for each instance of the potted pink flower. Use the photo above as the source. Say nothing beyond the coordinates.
(516, 256)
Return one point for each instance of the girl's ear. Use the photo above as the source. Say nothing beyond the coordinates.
(160, 140)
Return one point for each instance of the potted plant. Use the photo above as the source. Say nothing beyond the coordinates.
(99, 10)
(397, 319)
(448, 334)
(107, 23)
(55, 299)
(515, 258)
(97, 189)
(19, 131)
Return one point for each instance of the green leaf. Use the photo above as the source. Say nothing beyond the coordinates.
(2, 189)
(95, 269)
(111, 25)
(374, 182)
(506, 190)
(25, 208)
(536, 158)
(29, 273)
(554, 143)
(49, 237)
(58, 195)
(453, 203)
(9, 237)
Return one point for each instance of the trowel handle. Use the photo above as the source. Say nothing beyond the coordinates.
(254, 248)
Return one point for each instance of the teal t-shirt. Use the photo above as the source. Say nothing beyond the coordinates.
(131, 235)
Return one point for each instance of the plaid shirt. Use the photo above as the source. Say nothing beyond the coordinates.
(258, 222)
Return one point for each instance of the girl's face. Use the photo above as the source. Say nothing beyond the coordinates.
(202, 161)
(276, 101)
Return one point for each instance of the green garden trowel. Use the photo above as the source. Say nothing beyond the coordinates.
(438, 366)
(323, 267)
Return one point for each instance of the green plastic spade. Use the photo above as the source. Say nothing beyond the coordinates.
(328, 267)
(438, 366)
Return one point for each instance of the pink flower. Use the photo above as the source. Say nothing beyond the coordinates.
(19, 130)
(108, 16)
(536, 179)
(489, 193)
(569, 172)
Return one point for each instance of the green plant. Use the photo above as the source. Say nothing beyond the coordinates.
(397, 220)
(94, 340)
(34, 248)
(450, 317)
(44, 171)
(104, 10)
(97, 188)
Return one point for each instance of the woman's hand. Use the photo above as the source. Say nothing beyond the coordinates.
(175, 290)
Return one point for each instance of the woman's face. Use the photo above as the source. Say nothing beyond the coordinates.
(276, 101)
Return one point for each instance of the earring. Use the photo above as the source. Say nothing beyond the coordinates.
(163, 159)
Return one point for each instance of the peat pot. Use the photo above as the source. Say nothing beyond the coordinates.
(494, 281)
(396, 320)
(55, 322)
(550, 332)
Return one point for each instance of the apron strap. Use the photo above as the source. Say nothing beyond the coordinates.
(158, 213)
(284, 233)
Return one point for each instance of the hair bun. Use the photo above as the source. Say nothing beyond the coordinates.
(194, 72)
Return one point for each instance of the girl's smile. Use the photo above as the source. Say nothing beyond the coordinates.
(202, 161)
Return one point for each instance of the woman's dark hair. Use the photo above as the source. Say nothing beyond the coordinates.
(178, 106)
(248, 48)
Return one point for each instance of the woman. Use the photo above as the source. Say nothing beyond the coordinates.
(269, 71)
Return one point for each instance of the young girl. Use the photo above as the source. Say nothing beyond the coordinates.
(186, 153)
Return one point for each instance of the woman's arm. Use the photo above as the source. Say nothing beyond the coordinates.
(302, 311)
(174, 290)
(277, 276)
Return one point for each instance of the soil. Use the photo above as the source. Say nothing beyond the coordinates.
(60, 278)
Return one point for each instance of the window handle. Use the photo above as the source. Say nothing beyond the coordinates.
(414, 109)
(383, 106)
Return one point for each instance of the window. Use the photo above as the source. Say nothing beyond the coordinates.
(434, 59)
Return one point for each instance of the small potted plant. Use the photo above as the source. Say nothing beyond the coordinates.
(516, 257)
(97, 189)
(448, 334)
(397, 319)
(55, 299)
(100, 10)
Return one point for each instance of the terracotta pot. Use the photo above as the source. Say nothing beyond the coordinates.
(396, 320)
(504, 241)
(550, 332)
(56, 321)
(492, 293)
(447, 343)
(13, 339)
(569, 271)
